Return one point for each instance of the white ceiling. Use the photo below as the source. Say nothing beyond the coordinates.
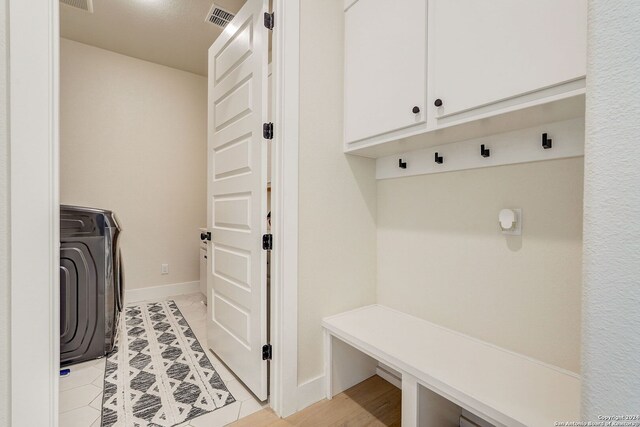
(168, 32)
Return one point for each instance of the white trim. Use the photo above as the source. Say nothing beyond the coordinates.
(311, 392)
(284, 288)
(520, 146)
(410, 412)
(161, 291)
(345, 365)
(33, 125)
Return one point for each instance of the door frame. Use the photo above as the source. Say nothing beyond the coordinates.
(34, 37)
(33, 87)
(284, 207)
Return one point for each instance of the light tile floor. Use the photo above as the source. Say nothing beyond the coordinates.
(81, 392)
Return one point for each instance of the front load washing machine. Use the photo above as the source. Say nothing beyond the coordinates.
(91, 283)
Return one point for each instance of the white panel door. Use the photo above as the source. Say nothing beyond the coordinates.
(237, 209)
(490, 50)
(385, 67)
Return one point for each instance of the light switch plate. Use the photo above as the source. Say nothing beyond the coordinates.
(165, 269)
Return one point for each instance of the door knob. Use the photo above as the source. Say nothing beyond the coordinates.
(416, 110)
(438, 102)
(205, 236)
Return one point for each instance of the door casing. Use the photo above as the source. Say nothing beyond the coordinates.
(33, 70)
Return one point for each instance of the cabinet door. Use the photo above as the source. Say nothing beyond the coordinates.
(486, 51)
(385, 67)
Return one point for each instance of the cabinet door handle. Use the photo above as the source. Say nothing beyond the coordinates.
(416, 110)
(438, 102)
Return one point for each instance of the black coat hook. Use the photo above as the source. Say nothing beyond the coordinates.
(401, 164)
(438, 159)
(484, 152)
(546, 142)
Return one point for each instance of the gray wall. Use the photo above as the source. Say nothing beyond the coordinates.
(5, 306)
(611, 324)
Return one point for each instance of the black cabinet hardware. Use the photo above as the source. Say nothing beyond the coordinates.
(484, 152)
(416, 110)
(438, 102)
(401, 164)
(546, 142)
(438, 159)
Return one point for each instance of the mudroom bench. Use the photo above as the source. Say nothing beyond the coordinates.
(444, 372)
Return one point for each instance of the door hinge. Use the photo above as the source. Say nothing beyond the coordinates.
(267, 130)
(269, 20)
(267, 242)
(267, 352)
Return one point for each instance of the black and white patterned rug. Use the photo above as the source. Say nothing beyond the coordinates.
(159, 375)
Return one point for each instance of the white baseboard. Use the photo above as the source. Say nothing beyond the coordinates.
(389, 375)
(162, 291)
(311, 392)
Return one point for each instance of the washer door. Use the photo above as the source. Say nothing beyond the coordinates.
(78, 303)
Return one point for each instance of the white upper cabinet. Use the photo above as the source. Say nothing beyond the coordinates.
(385, 67)
(492, 50)
(521, 63)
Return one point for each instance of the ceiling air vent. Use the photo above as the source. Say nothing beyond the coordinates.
(219, 16)
(86, 5)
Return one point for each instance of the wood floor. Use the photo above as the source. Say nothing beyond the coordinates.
(373, 402)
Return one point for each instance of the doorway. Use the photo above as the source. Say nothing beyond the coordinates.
(34, 39)
(136, 163)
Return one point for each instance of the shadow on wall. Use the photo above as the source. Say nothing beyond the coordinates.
(514, 243)
(364, 174)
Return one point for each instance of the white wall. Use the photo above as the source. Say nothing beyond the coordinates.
(611, 325)
(337, 208)
(133, 140)
(441, 256)
(434, 238)
(5, 277)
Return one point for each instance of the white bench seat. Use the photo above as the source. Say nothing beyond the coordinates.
(503, 387)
